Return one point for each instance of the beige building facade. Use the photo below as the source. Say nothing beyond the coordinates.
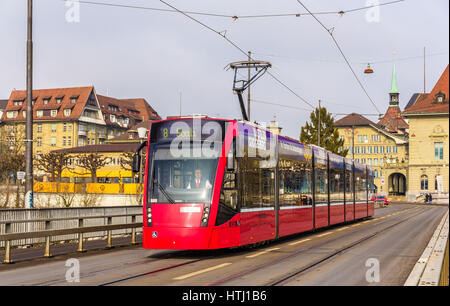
(428, 117)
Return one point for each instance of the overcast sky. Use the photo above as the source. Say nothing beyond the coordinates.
(130, 53)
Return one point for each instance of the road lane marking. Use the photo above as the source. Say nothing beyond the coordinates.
(202, 271)
(325, 234)
(304, 240)
(341, 229)
(261, 253)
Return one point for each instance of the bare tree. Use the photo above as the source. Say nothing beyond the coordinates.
(54, 164)
(126, 162)
(12, 160)
(92, 162)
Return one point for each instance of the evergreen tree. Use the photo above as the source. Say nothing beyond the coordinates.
(329, 136)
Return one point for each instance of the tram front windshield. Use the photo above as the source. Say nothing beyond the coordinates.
(182, 177)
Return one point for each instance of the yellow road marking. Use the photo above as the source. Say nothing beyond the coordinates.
(202, 271)
(341, 229)
(325, 234)
(263, 252)
(294, 243)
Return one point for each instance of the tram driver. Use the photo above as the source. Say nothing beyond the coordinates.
(199, 182)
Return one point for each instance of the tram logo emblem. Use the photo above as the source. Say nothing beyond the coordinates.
(307, 153)
(154, 234)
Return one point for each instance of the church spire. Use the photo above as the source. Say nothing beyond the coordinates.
(393, 93)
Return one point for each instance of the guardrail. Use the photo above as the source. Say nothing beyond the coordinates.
(35, 226)
(432, 267)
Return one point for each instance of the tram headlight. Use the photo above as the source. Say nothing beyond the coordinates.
(149, 215)
(205, 216)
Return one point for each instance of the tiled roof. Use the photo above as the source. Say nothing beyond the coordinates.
(102, 148)
(146, 111)
(3, 104)
(414, 98)
(427, 103)
(83, 94)
(118, 108)
(392, 120)
(353, 119)
(131, 135)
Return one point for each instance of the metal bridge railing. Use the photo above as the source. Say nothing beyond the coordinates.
(19, 227)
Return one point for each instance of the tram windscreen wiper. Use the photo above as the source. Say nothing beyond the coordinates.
(164, 192)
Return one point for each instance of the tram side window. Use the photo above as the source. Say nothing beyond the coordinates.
(258, 183)
(295, 183)
(321, 184)
(336, 184)
(360, 186)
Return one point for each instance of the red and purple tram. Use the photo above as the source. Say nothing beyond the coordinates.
(213, 183)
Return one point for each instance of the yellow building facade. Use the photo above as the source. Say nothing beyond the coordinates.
(386, 153)
(428, 118)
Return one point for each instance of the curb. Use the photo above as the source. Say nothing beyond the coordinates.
(427, 271)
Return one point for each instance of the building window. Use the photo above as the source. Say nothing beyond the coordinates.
(12, 114)
(381, 149)
(381, 161)
(73, 99)
(39, 128)
(39, 113)
(46, 100)
(54, 112)
(39, 141)
(375, 161)
(375, 150)
(357, 150)
(424, 182)
(53, 127)
(58, 100)
(388, 149)
(363, 150)
(363, 160)
(64, 141)
(53, 142)
(369, 150)
(378, 138)
(394, 149)
(64, 127)
(369, 161)
(67, 112)
(70, 127)
(69, 141)
(439, 151)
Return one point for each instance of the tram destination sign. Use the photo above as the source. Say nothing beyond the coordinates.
(196, 129)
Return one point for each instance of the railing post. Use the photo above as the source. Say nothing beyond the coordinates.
(47, 240)
(80, 237)
(108, 241)
(8, 253)
(133, 231)
(7, 259)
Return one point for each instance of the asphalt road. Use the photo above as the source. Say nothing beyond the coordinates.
(378, 251)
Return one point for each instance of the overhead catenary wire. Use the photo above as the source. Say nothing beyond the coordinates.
(352, 62)
(238, 48)
(343, 55)
(234, 17)
(304, 109)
